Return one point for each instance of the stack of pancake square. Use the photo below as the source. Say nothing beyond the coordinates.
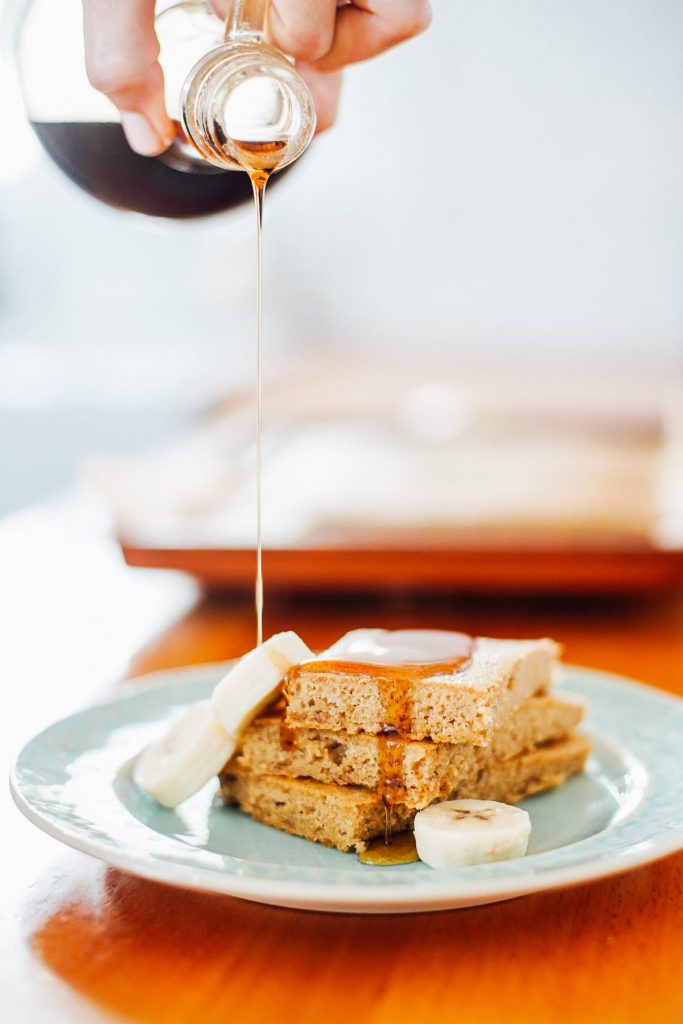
(357, 745)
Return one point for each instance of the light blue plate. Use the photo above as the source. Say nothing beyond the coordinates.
(73, 781)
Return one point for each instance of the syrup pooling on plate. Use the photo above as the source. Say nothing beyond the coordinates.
(395, 659)
(396, 849)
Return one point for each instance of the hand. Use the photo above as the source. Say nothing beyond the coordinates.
(121, 51)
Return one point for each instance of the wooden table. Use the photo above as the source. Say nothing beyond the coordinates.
(81, 943)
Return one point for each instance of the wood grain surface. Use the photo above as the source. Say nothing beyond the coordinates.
(86, 943)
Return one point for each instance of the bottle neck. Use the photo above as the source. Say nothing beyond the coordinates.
(246, 19)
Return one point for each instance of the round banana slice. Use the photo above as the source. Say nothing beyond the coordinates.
(456, 833)
(193, 750)
(255, 680)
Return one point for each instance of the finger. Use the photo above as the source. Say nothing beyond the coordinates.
(121, 51)
(302, 28)
(368, 27)
(325, 88)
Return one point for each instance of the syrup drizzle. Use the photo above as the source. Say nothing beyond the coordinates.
(259, 160)
(278, 710)
(391, 747)
(287, 734)
(259, 180)
(369, 653)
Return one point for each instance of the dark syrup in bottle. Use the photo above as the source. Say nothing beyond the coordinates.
(96, 156)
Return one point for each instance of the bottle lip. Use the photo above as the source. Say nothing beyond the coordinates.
(208, 84)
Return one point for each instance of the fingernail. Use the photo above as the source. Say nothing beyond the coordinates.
(140, 134)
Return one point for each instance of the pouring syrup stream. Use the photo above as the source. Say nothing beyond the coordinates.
(259, 180)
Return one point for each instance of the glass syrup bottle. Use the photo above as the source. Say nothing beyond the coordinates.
(237, 102)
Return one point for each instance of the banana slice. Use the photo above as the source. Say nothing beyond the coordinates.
(456, 833)
(200, 743)
(193, 750)
(255, 681)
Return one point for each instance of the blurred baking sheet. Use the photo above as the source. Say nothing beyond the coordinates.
(422, 477)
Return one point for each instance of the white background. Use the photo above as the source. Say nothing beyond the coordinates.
(509, 185)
